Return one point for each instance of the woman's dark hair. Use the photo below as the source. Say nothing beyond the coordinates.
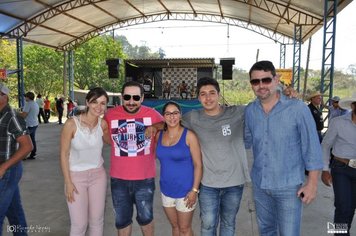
(95, 93)
(164, 108)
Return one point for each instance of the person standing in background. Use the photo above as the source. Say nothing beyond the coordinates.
(316, 111)
(70, 107)
(284, 141)
(179, 153)
(30, 113)
(15, 145)
(82, 165)
(334, 109)
(47, 108)
(40, 104)
(60, 109)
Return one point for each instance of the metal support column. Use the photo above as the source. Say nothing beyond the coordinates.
(296, 56)
(282, 56)
(71, 74)
(327, 69)
(20, 83)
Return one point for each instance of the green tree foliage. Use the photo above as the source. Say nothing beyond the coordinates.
(90, 69)
(138, 52)
(43, 70)
(238, 90)
(8, 61)
(7, 54)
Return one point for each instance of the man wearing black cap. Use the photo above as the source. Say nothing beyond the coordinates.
(15, 144)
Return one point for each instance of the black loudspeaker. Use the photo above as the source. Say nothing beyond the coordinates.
(226, 64)
(113, 67)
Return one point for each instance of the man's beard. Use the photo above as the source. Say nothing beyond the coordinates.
(132, 111)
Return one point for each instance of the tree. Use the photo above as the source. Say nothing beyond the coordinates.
(8, 61)
(138, 52)
(43, 70)
(90, 64)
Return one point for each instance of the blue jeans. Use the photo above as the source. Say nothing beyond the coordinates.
(33, 139)
(219, 204)
(10, 202)
(126, 193)
(279, 211)
(344, 185)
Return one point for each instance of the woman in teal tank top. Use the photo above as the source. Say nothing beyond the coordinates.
(181, 170)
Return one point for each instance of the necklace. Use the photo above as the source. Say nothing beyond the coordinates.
(172, 138)
(88, 123)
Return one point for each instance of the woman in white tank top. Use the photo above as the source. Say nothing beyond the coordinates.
(85, 179)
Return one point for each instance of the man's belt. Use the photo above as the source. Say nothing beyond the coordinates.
(348, 162)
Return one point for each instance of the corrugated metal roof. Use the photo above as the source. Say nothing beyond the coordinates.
(64, 24)
(173, 62)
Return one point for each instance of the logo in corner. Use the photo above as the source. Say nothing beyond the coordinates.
(337, 228)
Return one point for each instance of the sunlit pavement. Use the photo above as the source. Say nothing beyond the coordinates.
(46, 211)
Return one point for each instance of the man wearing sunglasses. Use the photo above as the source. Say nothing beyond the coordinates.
(133, 165)
(334, 109)
(282, 133)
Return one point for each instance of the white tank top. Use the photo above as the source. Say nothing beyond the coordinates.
(86, 147)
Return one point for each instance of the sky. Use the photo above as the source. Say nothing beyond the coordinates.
(209, 40)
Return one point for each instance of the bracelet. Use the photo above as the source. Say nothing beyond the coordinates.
(195, 190)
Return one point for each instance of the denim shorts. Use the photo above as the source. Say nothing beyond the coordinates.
(126, 193)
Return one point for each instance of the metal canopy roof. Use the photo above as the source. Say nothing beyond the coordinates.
(173, 62)
(65, 24)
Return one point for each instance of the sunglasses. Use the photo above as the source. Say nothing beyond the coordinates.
(266, 80)
(128, 97)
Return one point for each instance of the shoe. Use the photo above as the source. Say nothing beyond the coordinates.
(31, 157)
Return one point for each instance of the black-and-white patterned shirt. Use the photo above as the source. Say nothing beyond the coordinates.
(12, 126)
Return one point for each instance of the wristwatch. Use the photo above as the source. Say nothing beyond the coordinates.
(195, 190)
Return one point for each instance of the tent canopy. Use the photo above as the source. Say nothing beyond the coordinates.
(65, 24)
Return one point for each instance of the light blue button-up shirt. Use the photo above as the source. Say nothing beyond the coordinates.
(335, 112)
(284, 142)
(341, 137)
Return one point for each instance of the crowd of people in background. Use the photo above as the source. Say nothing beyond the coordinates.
(202, 157)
